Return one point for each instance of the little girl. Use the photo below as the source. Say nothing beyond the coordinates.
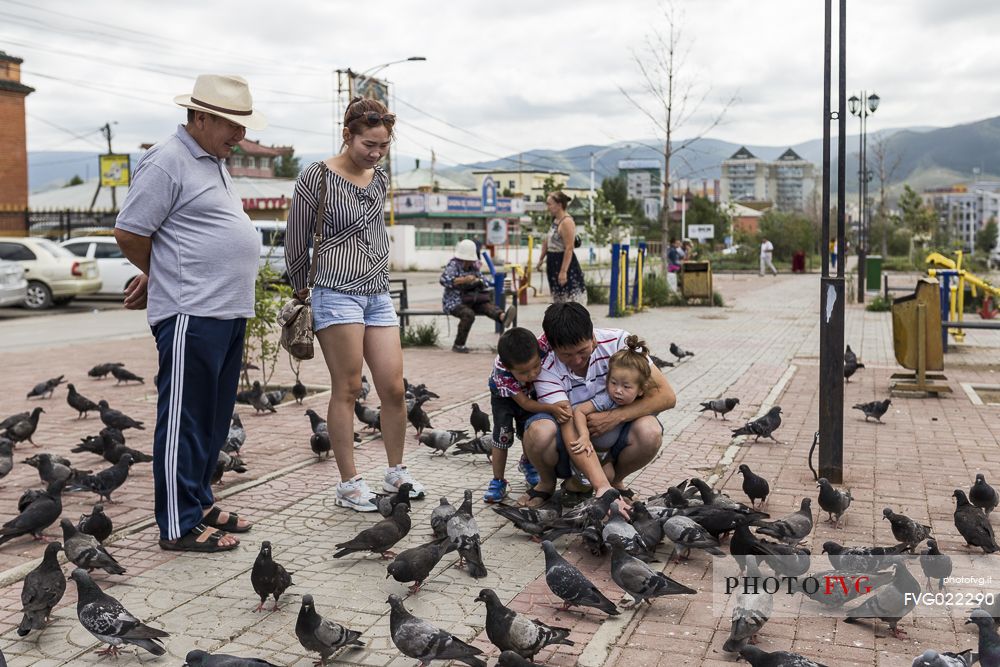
(629, 376)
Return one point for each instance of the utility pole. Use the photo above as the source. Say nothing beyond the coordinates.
(106, 131)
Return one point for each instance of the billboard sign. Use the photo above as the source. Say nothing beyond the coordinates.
(496, 231)
(114, 170)
(701, 232)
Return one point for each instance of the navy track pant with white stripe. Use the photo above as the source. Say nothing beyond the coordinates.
(200, 360)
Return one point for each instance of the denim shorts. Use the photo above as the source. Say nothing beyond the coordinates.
(331, 307)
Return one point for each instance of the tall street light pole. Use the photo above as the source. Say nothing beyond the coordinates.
(862, 107)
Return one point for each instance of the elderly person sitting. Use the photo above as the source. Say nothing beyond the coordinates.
(466, 294)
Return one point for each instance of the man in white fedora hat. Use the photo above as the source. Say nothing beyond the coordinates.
(183, 225)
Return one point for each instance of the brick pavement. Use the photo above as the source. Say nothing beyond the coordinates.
(762, 347)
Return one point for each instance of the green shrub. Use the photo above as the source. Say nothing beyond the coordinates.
(421, 335)
(879, 304)
(597, 293)
(717, 299)
(898, 264)
(260, 343)
(655, 291)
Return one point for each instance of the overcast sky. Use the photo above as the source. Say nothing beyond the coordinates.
(500, 77)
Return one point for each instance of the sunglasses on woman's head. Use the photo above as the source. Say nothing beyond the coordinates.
(374, 118)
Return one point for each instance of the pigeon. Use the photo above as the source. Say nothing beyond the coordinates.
(37, 515)
(905, 529)
(531, 520)
(319, 442)
(512, 659)
(463, 532)
(760, 658)
(321, 635)
(415, 565)
(29, 496)
(113, 433)
(386, 504)
(299, 391)
(116, 418)
(259, 400)
(269, 577)
(833, 501)
(24, 428)
(649, 527)
(838, 595)
(686, 534)
(751, 612)
(481, 445)
(440, 516)
(874, 409)
(935, 564)
(43, 588)
(718, 499)
(100, 371)
(13, 419)
(416, 638)
(851, 364)
(227, 463)
(641, 581)
(198, 658)
(114, 451)
(989, 641)
(45, 389)
(97, 523)
(92, 443)
(890, 602)
(479, 420)
(105, 482)
(50, 469)
(86, 552)
(571, 586)
(415, 414)
(660, 363)
(863, 559)
(237, 435)
(243, 397)
(932, 658)
(973, 524)
(365, 388)
(368, 417)
(718, 521)
(440, 440)
(754, 485)
(122, 374)
(982, 495)
(106, 618)
(619, 531)
(277, 396)
(6, 456)
(793, 528)
(510, 631)
(720, 406)
(679, 352)
(79, 402)
(763, 427)
(380, 537)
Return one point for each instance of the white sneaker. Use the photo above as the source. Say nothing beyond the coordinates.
(355, 494)
(399, 475)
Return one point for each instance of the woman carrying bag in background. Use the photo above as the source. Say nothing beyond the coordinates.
(562, 267)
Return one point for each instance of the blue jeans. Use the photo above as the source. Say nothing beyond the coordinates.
(331, 307)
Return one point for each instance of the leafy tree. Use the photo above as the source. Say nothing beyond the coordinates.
(914, 214)
(76, 180)
(287, 166)
(260, 344)
(986, 239)
(789, 232)
(631, 212)
(703, 211)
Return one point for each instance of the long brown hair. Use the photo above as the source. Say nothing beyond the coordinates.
(634, 356)
(365, 112)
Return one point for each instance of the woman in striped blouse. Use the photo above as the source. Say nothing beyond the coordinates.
(353, 314)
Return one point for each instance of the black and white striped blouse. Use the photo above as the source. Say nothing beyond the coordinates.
(354, 255)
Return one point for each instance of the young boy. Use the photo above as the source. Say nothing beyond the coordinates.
(512, 399)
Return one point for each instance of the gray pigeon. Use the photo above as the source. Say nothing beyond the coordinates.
(833, 501)
(122, 374)
(106, 481)
(863, 559)
(755, 486)
(679, 352)
(989, 641)
(268, 577)
(198, 658)
(533, 521)
(227, 463)
(837, 596)
(973, 524)
(649, 527)
(793, 528)
(370, 418)
(440, 516)
(51, 468)
(935, 564)
(512, 659)
(386, 504)
(463, 532)
(100, 371)
(37, 515)
(660, 363)
(572, 586)
(982, 495)
(13, 419)
(380, 537)
(640, 581)
(45, 389)
(365, 388)
(319, 443)
(762, 427)
(760, 658)
(416, 638)
(874, 409)
(277, 396)
(686, 534)
(416, 564)
(105, 618)
(116, 418)
(43, 588)
(479, 420)
(481, 445)
(851, 364)
(259, 400)
(440, 440)
(932, 658)
(85, 551)
(24, 428)
(79, 402)
(619, 531)
(97, 523)
(321, 635)
(891, 602)
(299, 391)
(720, 406)
(416, 415)
(905, 529)
(114, 451)
(751, 612)
(237, 435)
(6, 456)
(510, 631)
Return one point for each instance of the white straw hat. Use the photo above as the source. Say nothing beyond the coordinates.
(465, 250)
(224, 95)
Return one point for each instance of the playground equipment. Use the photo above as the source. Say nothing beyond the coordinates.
(953, 279)
(916, 321)
(620, 303)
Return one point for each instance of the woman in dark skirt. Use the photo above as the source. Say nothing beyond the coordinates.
(563, 268)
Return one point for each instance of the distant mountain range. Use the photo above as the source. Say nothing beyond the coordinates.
(927, 157)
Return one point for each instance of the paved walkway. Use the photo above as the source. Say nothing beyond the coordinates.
(762, 347)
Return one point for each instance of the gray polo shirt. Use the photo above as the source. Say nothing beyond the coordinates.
(205, 249)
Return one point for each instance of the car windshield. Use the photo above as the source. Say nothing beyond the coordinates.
(52, 248)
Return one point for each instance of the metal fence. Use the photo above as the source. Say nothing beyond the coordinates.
(57, 225)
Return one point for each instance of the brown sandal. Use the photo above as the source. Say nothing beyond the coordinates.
(190, 542)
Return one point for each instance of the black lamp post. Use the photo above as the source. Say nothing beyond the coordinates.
(862, 107)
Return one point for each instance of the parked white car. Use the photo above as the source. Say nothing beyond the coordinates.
(272, 244)
(13, 285)
(116, 271)
(55, 275)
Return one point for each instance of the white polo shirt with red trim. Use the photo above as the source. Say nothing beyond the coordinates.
(557, 383)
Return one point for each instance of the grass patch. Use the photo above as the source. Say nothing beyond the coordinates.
(717, 300)
(597, 293)
(656, 293)
(421, 335)
(879, 304)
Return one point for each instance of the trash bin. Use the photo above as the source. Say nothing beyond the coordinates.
(696, 280)
(873, 273)
(799, 262)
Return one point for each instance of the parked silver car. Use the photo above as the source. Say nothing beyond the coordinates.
(13, 284)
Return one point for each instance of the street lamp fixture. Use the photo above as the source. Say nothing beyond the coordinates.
(858, 108)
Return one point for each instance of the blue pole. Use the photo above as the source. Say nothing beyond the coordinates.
(499, 297)
(613, 291)
(625, 291)
(639, 255)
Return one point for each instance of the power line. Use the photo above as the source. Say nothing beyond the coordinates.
(75, 136)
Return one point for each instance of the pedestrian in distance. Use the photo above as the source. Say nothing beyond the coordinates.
(766, 253)
(561, 265)
(348, 278)
(184, 227)
(466, 294)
